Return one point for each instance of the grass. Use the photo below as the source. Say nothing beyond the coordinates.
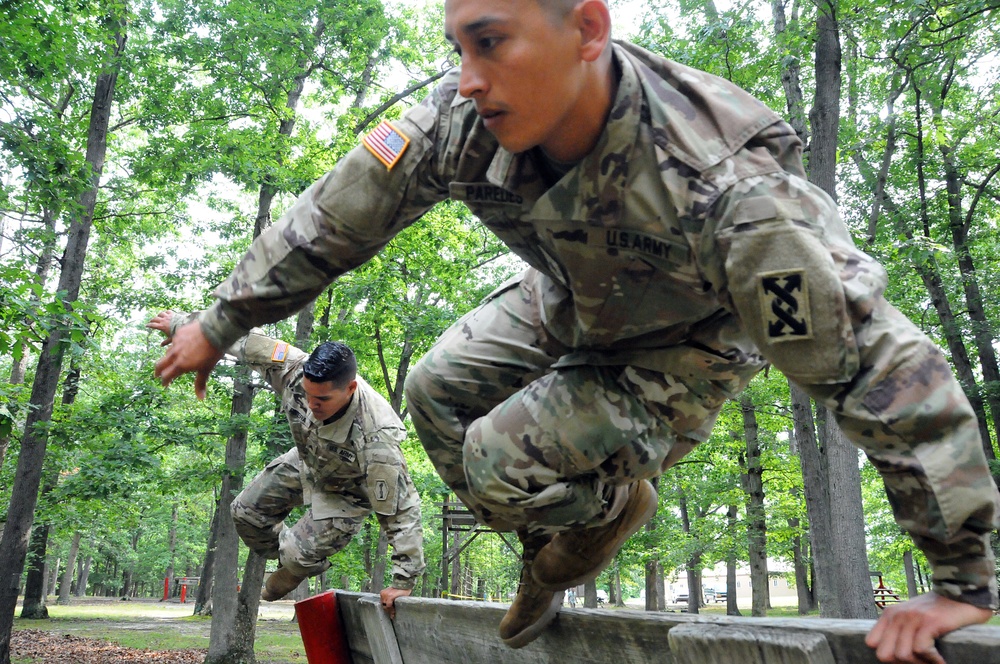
(167, 626)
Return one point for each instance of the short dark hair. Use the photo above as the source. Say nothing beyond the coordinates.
(331, 362)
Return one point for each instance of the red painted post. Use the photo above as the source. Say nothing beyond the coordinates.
(184, 591)
(323, 635)
(166, 589)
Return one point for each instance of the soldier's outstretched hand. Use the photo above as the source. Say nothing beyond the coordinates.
(906, 632)
(161, 322)
(189, 351)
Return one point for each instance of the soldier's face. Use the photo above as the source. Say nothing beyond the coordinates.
(523, 67)
(324, 399)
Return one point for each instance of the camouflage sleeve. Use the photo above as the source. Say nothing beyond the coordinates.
(337, 224)
(397, 505)
(814, 306)
(273, 359)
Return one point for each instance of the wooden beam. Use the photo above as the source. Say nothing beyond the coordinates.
(436, 631)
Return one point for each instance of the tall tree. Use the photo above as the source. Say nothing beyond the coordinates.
(753, 486)
(32, 455)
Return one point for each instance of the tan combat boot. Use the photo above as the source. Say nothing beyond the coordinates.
(578, 556)
(534, 607)
(279, 584)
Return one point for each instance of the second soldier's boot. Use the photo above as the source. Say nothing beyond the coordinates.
(280, 583)
(534, 607)
(575, 557)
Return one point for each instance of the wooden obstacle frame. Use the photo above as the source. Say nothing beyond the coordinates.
(437, 631)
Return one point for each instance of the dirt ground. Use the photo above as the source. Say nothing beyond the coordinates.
(59, 644)
(54, 648)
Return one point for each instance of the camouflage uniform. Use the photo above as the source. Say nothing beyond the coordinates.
(343, 470)
(666, 269)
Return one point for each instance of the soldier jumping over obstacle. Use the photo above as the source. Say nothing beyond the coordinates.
(346, 464)
(675, 249)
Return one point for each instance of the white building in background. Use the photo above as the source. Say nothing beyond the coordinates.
(713, 582)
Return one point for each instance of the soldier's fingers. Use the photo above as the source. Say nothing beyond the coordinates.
(902, 643)
(161, 366)
(201, 382)
(875, 636)
(924, 648)
(165, 342)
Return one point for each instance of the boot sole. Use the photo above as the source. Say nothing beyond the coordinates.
(534, 630)
(647, 514)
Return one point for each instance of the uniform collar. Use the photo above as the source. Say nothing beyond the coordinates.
(595, 187)
(339, 430)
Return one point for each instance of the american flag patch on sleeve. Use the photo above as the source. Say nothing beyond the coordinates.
(280, 352)
(387, 143)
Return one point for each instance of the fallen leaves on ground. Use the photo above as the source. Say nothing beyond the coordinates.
(55, 648)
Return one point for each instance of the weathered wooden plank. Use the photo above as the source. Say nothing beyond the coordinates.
(357, 637)
(381, 634)
(698, 643)
(434, 631)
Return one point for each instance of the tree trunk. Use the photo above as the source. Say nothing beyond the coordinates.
(982, 329)
(67, 579)
(753, 486)
(848, 521)
(652, 591)
(378, 569)
(172, 548)
(247, 607)
(814, 481)
(20, 513)
(616, 586)
(19, 367)
(911, 577)
(34, 586)
(661, 588)
(81, 583)
(791, 75)
(655, 599)
(590, 595)
(456, 567)
(203, 602)
(732, 606)
(227, 642)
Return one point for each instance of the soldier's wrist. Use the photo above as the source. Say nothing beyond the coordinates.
(219, 328)
(403, 583)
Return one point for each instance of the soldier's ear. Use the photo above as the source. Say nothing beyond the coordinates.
(593, 20)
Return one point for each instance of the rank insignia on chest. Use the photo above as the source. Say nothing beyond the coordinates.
(784, 303)
(346, 455)
(387, 143)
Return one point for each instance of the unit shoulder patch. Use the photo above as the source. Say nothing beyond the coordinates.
(383, 482)
(784, 304)
(387, 143)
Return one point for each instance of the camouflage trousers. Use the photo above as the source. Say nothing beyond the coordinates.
(528, 446)
(260, 510)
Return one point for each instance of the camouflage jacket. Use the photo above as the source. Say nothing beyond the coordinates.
(689, 242)
(350, 467)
